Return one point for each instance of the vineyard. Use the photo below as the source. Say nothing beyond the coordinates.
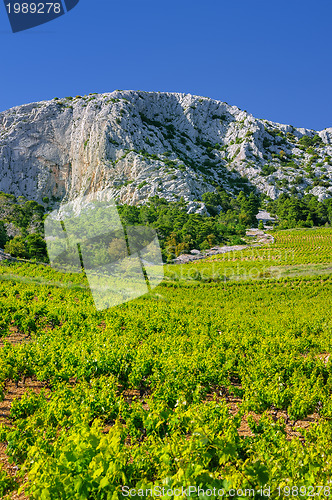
(221, 377)
(295, 252)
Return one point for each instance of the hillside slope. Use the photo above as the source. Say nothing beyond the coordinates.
(136, 144)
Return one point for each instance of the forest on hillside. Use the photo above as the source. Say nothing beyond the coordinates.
(228, 217)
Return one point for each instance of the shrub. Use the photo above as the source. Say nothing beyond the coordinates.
(307, 141)
(17, 247)
(3, 235)
(268, 170)
(36, 247)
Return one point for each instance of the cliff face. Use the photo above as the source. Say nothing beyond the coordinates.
(135, 144)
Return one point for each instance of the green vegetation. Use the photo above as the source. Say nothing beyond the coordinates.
(3, 234)
(7, 483)
(180, 232)
(32, 246)
(307, 141)
(196, 383)
(142, 184)
(268, 170)
(301, 212)
(295, 252)
(21, 227)
(21, 221)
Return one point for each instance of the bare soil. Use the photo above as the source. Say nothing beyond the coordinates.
(293, 429)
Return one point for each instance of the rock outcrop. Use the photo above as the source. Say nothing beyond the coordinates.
(134, 145)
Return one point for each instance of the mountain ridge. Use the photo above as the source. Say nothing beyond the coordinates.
(134, 144)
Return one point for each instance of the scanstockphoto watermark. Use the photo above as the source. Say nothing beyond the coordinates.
(213, 271)
(27, 14)
(194, 491)
(120, 262)
(248, 264)
(257, 253)
(274, 255)
(295, 491)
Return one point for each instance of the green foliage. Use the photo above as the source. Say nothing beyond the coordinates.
(248, 208)
(307, 141)
(7, 483)
(268, 170)
(138, 395)
(293, 211)
(17, 247)
(20, 212)
(27, 217)
(142, 184)
(291, 137)
(180, 232)
(33, 246)
(266, 143)
(36, 247)
(3, 234)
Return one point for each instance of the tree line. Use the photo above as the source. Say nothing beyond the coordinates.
(226, 221)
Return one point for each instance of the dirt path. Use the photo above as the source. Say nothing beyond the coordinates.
(259, 238)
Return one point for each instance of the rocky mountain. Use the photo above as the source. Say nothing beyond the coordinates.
(134, 144)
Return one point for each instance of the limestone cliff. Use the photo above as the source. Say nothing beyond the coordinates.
(136, 144)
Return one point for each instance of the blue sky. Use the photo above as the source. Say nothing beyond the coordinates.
(271, 58)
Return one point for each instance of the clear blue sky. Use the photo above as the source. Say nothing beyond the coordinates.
(271, 58)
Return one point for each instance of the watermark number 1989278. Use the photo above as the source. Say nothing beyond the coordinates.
(26, 14)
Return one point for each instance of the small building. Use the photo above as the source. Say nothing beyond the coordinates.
(266, 218)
